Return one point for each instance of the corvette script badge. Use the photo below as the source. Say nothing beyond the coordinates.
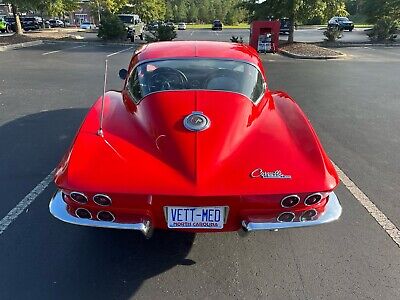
(196, 121)
(269, 175)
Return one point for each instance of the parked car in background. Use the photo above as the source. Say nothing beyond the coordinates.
(4, 26)
(11, 23)
(285, 25)
(56, 23)
(216, 25)
(170, 24)
(133, 25)
(30, 23)
(181, 26)
(88, 25)
(341, 23)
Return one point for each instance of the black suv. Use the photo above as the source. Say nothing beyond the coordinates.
(285, 25)
(216, 25)
(341, 23)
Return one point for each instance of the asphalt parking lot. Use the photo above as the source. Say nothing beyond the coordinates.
(353, 104)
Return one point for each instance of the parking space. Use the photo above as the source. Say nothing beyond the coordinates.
(353, 105)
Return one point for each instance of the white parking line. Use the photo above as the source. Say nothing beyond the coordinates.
(56, 51)
(379, 216)
(24, 203)
(118, 52)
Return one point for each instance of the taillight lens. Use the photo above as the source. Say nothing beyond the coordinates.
(102, 200)
(313, 199)
(286, 217)
(78, 197)
(290, 201)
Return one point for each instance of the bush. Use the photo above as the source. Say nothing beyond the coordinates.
(384, 29)
(332, 34)
(237, 39)
(111, 28)
(163, 33)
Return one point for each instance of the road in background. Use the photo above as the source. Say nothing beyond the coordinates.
(301, 35)
(353, 105)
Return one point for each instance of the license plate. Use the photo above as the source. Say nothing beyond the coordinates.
(196, 217)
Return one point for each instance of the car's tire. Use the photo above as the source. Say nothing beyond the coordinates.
(132, 39)
(3, 30)
(351, 29)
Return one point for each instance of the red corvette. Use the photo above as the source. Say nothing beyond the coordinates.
(196, 141)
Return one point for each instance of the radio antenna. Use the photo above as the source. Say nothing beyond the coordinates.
(100, 131)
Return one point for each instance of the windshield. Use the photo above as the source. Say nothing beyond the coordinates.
(126, 19)
(343, 19)
(196, 74)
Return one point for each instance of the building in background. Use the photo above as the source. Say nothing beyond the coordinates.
(5, 9)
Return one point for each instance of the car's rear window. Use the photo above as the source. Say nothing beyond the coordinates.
(196, 74)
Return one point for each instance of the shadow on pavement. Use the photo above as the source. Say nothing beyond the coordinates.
(43, 258)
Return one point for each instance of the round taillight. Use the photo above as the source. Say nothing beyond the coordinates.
(105, 216)
(286, 217)
(83, 213)
(290, 201)
(308, 215)
(102, 200)
(78, 197)
(313, 199)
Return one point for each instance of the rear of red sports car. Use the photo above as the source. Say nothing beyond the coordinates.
(195, 141)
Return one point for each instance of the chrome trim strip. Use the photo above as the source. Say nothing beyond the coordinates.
(333, 211)
(58, 208)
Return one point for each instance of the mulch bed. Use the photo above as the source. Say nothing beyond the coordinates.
(38, 35)
(309, 50)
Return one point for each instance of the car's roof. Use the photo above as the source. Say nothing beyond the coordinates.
(201, 49)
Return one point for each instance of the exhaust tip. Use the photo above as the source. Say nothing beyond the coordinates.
(83, 213)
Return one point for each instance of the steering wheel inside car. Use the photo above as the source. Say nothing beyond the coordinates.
(165, 78)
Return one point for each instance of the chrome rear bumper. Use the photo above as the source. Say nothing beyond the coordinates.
(58, 208)
(332, 212)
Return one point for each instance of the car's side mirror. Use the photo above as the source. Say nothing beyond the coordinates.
(123, 73)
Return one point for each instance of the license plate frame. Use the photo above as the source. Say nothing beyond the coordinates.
(203, 217)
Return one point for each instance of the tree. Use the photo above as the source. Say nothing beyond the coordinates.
(148, 10)
(377, 9)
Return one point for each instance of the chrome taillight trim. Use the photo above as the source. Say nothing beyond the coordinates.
(84, 209)
(102, 195)
(286, 212)
(284, 198)
(309, 196)
(106, 211)
(78, 193)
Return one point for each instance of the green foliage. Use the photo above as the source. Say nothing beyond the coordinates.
(163, 33)
(111, 27)
(205, 11)
(384, 29)
(376, 9)
(332, 34)
(148, 10)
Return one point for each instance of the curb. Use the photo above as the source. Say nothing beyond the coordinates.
(298, 56)
(21, 45)
(360, 45)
